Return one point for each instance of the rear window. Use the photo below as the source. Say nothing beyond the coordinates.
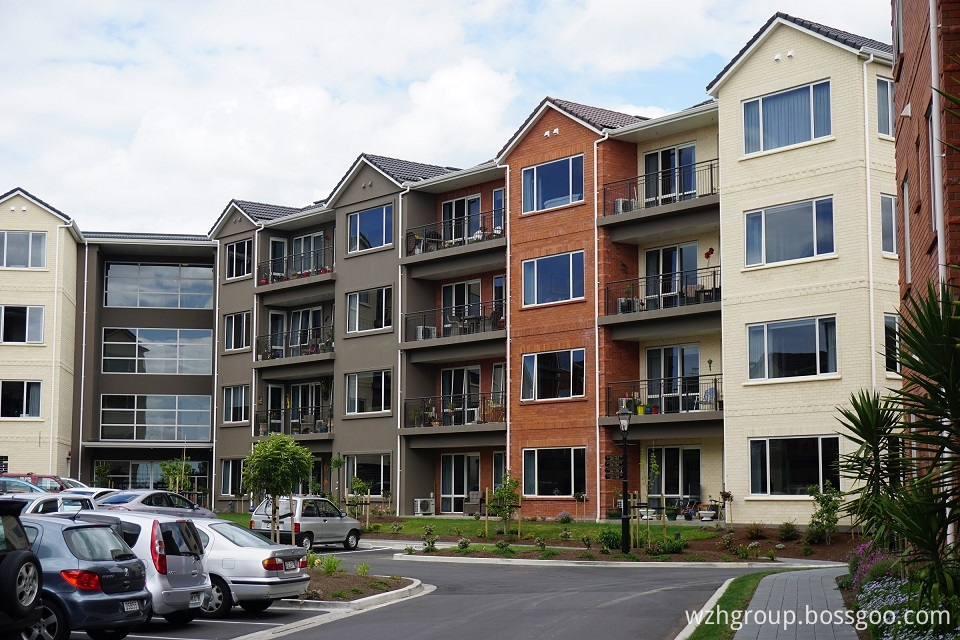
(240, 536)
(13, 536)
(283, 507)
(180, 538)
(119, 498)
(73, 484)
(97, 544)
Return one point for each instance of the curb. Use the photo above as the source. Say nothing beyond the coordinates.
(354, 605)
(692, 626)
(782, 566)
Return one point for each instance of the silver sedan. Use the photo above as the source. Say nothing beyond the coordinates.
(247, 569)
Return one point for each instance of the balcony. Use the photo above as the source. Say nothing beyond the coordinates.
(678, 407)
(668, 203)
(310, 422)
(292, 354)
(463, 332)
(473, 243)
(296, 269)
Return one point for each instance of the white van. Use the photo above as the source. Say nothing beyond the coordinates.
(311, 519)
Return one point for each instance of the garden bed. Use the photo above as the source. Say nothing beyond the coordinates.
(345, 587)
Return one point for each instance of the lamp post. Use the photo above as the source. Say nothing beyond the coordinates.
(623, 414)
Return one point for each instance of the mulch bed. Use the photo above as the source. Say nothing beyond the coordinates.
(344, 587)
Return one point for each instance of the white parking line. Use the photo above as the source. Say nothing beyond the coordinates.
(358, 550)
(167, 637)
(268, 624)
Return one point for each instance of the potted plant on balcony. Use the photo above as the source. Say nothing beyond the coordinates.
(263, 280)
(262, 422)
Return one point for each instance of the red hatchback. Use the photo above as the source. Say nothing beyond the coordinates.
(46, 482)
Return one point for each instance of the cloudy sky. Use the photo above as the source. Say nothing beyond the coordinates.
(151, 116)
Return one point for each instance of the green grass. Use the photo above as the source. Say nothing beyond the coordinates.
(735, 598)
(242, 519)
(546, 530)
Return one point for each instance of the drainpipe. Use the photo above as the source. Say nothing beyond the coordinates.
(214, 488)
(506, 318)
(937, 159)
(400, 412)
(596, 326)
(83, 357)
(55, 360)
(870, 238)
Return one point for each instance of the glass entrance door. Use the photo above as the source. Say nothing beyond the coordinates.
(461, 306)
(668, 271)
(673, 382)
(459, 473)
(275, 408)
(461, 395)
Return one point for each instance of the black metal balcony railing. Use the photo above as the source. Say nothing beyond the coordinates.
(295, 421)
(663, 291)
(663, 187)
(457, 232)
(290, 344)
(456, 409)
(298, 265)
(460, 320)
(666, 395)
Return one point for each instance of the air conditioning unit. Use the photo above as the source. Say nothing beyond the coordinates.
(622, 205)
(425, 332)
(424, 506)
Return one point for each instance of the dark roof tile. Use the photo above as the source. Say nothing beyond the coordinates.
(260, 211)
(175, 237)
(404, 170)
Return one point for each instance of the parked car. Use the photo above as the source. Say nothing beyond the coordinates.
(46, 482)
(154, 501)
(308, 520)
(94, 493)
(92, 581)
(247, 569)
(15, 485)
(20, 574)
(50, 502)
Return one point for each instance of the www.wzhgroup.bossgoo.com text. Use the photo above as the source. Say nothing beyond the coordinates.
(789, 618)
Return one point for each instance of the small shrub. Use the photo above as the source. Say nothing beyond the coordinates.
(408, 550)
(540, 543)
(330, 564)
(476, 516)
(586, 555)
(727, 542)
(372, 528)
(396, 527)
(457, 531)
(725, 558)
(428, 530)
(379, 585)
(339, 595)
(823, 521)
(502, 544)
(772, 555)
(546, 554)
(480, 534)
(806, 549)
(780, 547)
(741, 552)
(696, 558)
(565, 534)
(756, 531)
(605, 550)
(587, 541)
(609, 537)
(753, 545)
(788, 531)
(429, 544)
(357, 590)
(363, 569)
(564, 517)
(463, 543)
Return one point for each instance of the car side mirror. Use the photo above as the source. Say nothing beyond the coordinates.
(343, 515)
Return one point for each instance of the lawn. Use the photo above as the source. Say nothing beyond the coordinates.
(735, 598)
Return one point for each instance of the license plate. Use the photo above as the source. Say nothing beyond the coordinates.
(194, 598)
(131, 605)
(290, 565)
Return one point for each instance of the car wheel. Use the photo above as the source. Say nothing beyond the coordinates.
(256, 606)
(51, 626)
(109, 634)
(184, 616)
(307, 541)
(19, 583)
(219, 603)
(352, 540)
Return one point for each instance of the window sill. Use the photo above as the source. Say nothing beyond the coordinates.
(246, 276)
(535, 497)
(578, 203)
(367, 332)
(800, 145)
(23, 344)
(765, 498)
(541, 305)
(786, 263)
(890, 375)
(884, 136)
(363, 252)
(228, 352)
(368, 414)
(551, 400)
(825, 376)
(242, 423)
(21, 419)
(890, 256)
(24, 269)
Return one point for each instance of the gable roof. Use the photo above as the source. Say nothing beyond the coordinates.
(842, 38)
(594, 118)
(394, 169)
(30, 196)
(258, 211)
(164, 237)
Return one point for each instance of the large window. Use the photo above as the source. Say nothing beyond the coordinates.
(372, 468)
(461, 218)
(21, 324)
(164, 286)
(885, 106)
(789, 232)
(154, 417)
(236, 331)
(888, 223)
(553, 184)
(670, 175)
(19, 399)
(368, 392)
(239, 259)
(554, 472)
(157, 351)
(231, 472)
(370, 309)
(553, 278)
(498, 210)
(891, 341)
(786, 118)
(679, 472)
(805, 347)
(146, 474)
(23, 249)
(236, 403)
(553, 374)
(790, 466)
(371, 228)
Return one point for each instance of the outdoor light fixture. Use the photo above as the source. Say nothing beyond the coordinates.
(623, 414)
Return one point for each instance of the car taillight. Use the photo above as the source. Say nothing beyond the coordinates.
(273, 564)
(83, 580)
(303, 563)
(251, 524)
(296, 527)
(157, 551)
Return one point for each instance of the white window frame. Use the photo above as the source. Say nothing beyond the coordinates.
(386, 375)
(30, 312)
(536, 358)
(226, 476)
(662, 477)
(888, 203)
(763, 233)
(760, 99)
(40, 260)
(499, 212)
(135, 424)
(23, 412)
(497, 480)
(533, 169)
(536, 479)
(386, 211)
(816, 320)
(891, 320)
(889, 124)
(819, 438)
(571, 281)
(353, 311)
(350, 465)
(233, 264)
(230, 330)
(229, 397)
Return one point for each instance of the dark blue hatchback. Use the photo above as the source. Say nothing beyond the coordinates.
(92, 581)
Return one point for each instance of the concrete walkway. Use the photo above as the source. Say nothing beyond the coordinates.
(810, 596)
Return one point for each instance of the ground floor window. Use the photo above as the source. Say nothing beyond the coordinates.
(789, 466)
(230, 473)
(372, 468)
(459, 474)
(554, 472)
(19, 399)
(499, 468)
(145, 474)
(679, 472)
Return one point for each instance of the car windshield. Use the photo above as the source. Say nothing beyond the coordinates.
(240, 536)
(12, 535)
(119, 498)
(97, 544)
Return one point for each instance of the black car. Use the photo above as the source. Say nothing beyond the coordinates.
(20, 575)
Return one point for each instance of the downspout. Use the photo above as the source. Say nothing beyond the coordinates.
(596, 325)
(83, 358)
(937, 159)
(214, 488)
(506, 317)
(870, 238)
(55, 360)
(400, 412)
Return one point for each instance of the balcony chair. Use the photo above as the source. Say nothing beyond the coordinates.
(708, 401)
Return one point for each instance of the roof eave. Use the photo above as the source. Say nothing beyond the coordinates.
(223, 217)
(534, 118)
(653, 123)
